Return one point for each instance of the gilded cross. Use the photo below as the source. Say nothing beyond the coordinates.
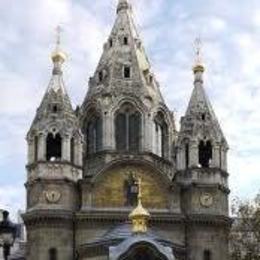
(198, 50)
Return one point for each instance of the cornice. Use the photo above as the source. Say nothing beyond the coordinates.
(48, 218)
(207, 219)
(34, 165)
(115, 216)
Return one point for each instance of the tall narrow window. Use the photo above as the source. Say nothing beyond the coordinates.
(187, 155)
(203, 117)
(55, 109)
(125, 40)
(100, 76)
(127, 72)
(134, 132)
(161, 136)
(94, 135)
(110, 43)
(36, 148)
(121, 132)
(128, 129)
(53, 151)
(72, 150)
(205, 154)
(53, 254)
(207, 255)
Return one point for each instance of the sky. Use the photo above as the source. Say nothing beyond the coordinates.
(229, 30)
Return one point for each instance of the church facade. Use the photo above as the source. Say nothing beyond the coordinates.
(84, 164)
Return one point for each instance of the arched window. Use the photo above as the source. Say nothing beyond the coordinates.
(207, 255)
(53, 254)
(110, 43)
(36, 148)
(94, 135)
(128, 129)
(187, 155)
(125, 40)
(72, 150)
(53, 151)
(127, 72)
(160, 136)
(205, 154)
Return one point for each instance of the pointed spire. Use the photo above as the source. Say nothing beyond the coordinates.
(199, 95)
(122, 52)
(139, 216)
(56, 94)
(123, 5)
(58, 56)
(199, 105)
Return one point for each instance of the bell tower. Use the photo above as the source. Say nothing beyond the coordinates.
(54, 167)
(202, 172)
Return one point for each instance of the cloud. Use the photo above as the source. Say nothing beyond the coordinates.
(230, 33)
(12, 198)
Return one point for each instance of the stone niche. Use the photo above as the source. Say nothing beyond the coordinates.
(116, 188)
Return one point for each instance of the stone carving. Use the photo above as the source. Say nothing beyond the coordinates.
(52, 196)
(131, 189)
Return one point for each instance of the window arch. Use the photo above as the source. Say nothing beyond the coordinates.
(54, 144)
(207, 255)
(160, 135)
(127, 72)
(94, 134)
(187, 155)
(128, 129)
(205, 154)
(72, 150)
(36, 148)
(53, 254)
(125, 40)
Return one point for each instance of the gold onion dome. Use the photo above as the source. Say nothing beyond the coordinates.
(58, 56)
(139, 216)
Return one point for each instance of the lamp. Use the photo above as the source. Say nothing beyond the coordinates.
(7, 234)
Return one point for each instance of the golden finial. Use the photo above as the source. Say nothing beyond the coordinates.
(198, 67)
(139, 216)
(58, 56)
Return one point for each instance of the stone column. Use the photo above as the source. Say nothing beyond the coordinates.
(147, 134)
(224, 158)
(216, 156)
(66, 148)
(42, 147)
(153, 137)
(78, 152)
(30, 151)
(108, 135)
(194, 154)
(181, 158)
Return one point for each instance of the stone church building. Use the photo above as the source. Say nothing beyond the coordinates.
(87, 167)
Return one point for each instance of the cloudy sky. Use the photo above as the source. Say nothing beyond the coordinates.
(230, 31)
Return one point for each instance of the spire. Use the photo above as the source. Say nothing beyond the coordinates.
(124, 67)
(139, 216)
(56, 97)
(199, 99)
(123, 5)
(58, 56)
(199, 104)
(198, 67)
